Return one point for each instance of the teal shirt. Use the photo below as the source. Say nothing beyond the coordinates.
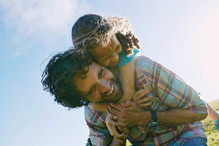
(216, 124)
(123, 59)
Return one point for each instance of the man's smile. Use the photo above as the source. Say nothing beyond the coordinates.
(111, 90)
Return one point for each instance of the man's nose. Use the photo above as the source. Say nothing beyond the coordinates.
(104, 86)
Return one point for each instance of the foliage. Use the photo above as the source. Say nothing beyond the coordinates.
(211, 132)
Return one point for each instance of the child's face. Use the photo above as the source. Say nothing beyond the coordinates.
(109, 55)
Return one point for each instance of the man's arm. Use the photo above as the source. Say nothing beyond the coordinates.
(172, 117)
(183, 102)
(179, 116)
(129, 114)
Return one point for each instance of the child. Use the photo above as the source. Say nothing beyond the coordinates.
(110, 42)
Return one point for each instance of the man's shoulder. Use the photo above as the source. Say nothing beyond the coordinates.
(144, 59)
(144, 63)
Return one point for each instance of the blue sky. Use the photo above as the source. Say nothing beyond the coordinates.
(181, 35)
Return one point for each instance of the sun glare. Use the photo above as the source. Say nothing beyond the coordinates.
(207, 47)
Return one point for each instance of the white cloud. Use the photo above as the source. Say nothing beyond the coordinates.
(19, 52)
(43, 20)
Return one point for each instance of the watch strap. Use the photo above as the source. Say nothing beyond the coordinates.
(153, 116)
(154, 122)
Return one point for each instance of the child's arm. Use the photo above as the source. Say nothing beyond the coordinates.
(128, 80)
(99, 106)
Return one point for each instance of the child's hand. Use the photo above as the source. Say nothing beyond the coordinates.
(114, 132)
(142, 102)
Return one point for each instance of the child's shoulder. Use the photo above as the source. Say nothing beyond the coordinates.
(124, 59)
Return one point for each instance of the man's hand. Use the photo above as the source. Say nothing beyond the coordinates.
(127, 114)
(114, 132)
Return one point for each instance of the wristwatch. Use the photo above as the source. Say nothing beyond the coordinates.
(154, 121)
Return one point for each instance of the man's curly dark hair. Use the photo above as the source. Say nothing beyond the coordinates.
(91, 30)
(57, 78)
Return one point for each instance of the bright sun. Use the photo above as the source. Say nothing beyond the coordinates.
(207, 47)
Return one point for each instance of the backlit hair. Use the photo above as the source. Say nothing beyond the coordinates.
(91, 30)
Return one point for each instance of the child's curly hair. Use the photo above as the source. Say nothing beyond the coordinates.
(91, 30)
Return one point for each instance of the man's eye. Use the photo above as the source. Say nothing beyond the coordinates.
(100, 73)
(91, 91)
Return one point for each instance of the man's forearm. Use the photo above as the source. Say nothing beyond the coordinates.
(173, 117)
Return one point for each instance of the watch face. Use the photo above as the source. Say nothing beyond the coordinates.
(152, 124)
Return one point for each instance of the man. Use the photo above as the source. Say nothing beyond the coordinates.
(75, 80)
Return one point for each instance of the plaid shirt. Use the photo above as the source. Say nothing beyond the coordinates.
(168, 91)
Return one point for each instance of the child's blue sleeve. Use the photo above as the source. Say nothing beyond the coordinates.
(216, 124)
(123, 59)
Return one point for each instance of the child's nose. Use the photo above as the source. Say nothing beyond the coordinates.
(114, 60)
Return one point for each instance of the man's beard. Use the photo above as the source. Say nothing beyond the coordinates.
(118, 83)
(115, 71)
(120, 90)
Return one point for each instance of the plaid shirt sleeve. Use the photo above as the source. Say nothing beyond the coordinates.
(99, 134)
(170, 89)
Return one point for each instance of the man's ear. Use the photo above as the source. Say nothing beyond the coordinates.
(85, 100)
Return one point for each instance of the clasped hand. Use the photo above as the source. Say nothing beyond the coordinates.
(128, 113)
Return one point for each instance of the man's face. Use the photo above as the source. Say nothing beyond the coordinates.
(99, 85)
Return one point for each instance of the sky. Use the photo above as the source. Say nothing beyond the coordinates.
(181, 35)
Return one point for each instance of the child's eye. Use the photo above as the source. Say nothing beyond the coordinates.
(117, 48)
